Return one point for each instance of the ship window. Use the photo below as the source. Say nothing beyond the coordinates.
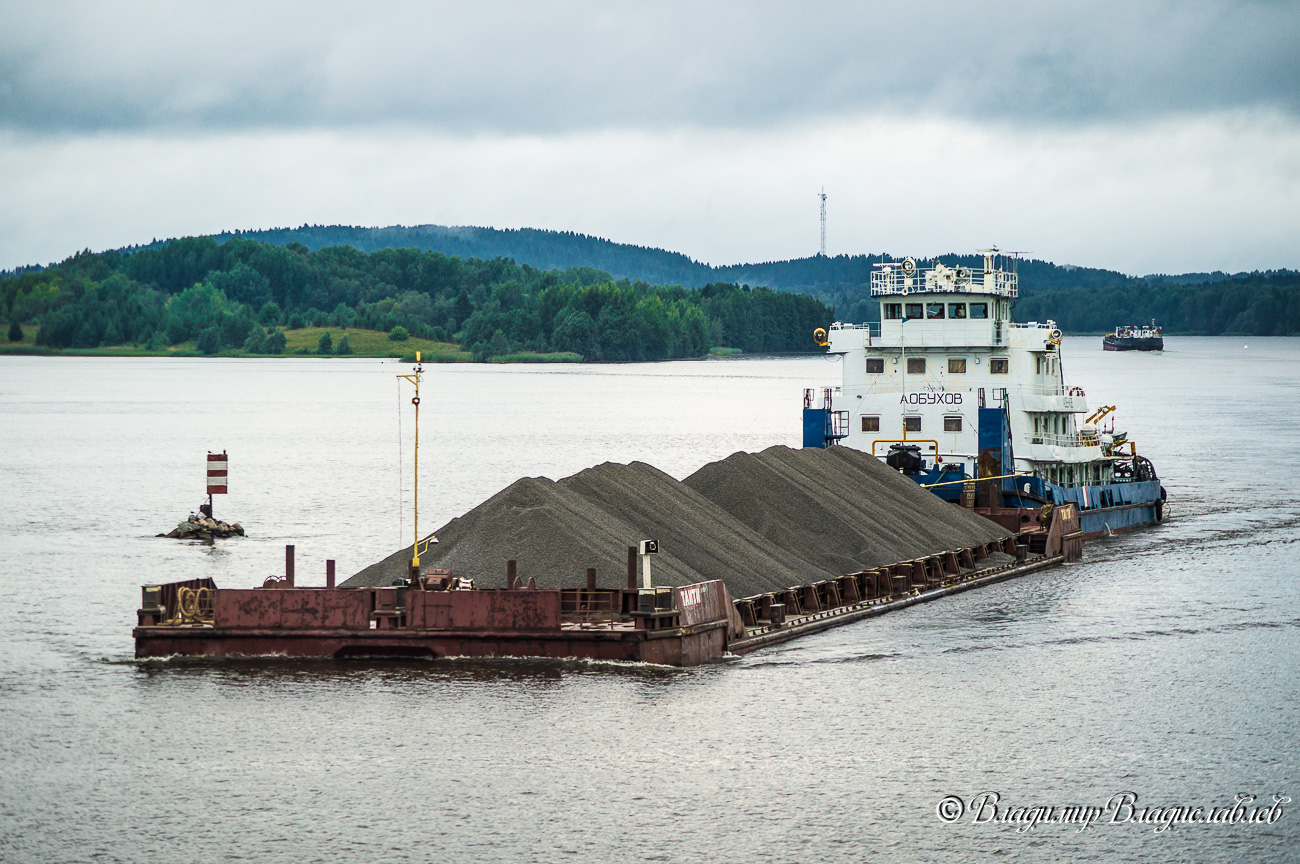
(952, 424)
(893, 311)
(912, 424)
(956, 310)
(870, 424)
(915, 365)
(998, 366)
(979, 310)
(934, 310)
(957, 365)
(915, 310)
(875, 365)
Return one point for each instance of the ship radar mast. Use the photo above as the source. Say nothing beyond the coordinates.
(822, 195)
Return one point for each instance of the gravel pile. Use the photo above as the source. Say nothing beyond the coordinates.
(839, 509)
(709, 542)
(759, 521)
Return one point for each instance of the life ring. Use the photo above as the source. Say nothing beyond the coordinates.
(909, 266)
(1054, 337)
(819, 336)
(1077, 391)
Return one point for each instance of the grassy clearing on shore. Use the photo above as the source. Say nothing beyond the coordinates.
(534, 357)
(373, 343)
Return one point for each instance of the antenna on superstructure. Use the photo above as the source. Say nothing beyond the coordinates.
(822, 195)
(1014, 255)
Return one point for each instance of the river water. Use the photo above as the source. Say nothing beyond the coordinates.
(1162, 666)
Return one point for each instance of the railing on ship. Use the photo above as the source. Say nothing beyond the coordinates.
(591, 607)
(893, 279)
(1076, 440)
(872, 329)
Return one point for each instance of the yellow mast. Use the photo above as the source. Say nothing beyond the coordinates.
(414, 378)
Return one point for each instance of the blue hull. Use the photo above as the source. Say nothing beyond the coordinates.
(1107, 508)
(1112, 520)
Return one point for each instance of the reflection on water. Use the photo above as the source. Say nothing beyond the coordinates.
(1163, 663)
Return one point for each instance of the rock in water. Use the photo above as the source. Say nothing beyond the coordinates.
(204, 528)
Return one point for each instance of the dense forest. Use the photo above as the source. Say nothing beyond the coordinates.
(502, 292)
(550, 250)
(243, 294)
(1078, 298)
(1258, 304)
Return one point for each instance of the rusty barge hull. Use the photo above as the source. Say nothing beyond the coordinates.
(669, 626)
(684, 647)
(678, 626)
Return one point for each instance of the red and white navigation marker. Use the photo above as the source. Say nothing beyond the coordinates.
(217, 477)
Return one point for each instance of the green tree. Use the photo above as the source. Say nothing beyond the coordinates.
(15, 331)
(194, 310)
(345, 347)
(210, 340)
(399, 334)
(326, 344)
(574, 331)
(256, 341)
(500, 345)
(275, 342)
(270, 315)
(618, 332)
(236, 328)
(242, 284)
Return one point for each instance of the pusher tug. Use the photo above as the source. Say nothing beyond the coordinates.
(973, 406)
(1134, 337)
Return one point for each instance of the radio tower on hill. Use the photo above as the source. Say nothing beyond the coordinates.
(822, 195)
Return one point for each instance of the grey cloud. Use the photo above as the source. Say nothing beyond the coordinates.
(539, 68)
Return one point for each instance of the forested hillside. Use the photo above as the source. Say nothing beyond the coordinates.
(549, 250)
(1184, 303)
(545, 250)
(510, 281)
(241, 295)
(1258, 304)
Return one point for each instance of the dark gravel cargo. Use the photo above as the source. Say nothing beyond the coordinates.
(759, 521)
(839, 509)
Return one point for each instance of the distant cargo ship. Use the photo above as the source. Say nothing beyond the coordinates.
(974, 407)
(1135, 337)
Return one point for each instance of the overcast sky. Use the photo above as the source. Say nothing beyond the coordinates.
(1147, 137)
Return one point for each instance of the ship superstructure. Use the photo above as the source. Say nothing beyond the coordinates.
(949, 390)
(1135, 337)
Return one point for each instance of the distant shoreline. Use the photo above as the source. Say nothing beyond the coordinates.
(369, 345)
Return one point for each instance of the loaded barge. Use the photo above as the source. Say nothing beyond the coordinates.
(439, 615)
(425, 611)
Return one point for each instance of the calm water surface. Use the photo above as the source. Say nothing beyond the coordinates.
(1163, 665)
